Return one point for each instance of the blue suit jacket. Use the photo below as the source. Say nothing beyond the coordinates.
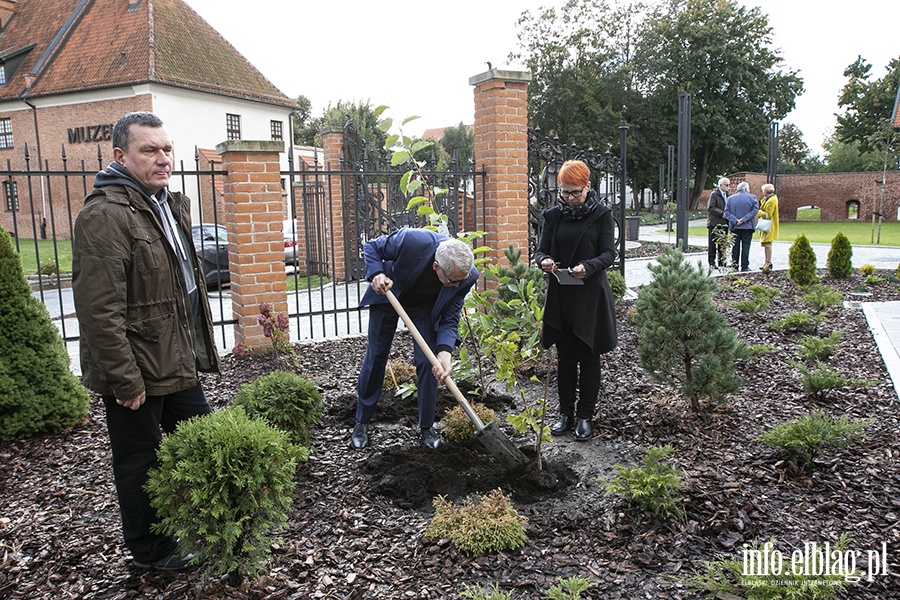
(744, 206)
(403, 256)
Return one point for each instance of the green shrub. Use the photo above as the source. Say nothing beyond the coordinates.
(756, 349)
(819, 297)
(728, 578)
(474, 592)
(802, 262)
(38, 392)
(898, 271)
(48, 267)
(617, 284)
(224, 483)
(798, 321)
(286, 401)
(867, 269)
(802, 440)
(762, 298)
(683, 340)
(874, 280)
(816, 348)
(458, 426)
(818, 382)
(569, 588)
(653, 486)
(840, 265)
(482, 526)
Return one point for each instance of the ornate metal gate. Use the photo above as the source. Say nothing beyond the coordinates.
(545, 156)
(374, 205)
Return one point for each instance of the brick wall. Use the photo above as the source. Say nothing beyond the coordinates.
(834, 193)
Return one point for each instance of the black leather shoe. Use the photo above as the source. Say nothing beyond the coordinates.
(583, 430)
(172, 562)
(360, 437)
(430, 439)
(563, 424)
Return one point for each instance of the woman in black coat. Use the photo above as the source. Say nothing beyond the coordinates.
(578, 235)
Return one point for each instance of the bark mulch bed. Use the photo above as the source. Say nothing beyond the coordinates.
(357, 525)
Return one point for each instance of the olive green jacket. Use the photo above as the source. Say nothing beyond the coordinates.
(137, 333)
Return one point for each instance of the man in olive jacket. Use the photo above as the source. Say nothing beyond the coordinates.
(145, 324)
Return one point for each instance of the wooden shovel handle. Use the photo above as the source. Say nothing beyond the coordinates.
(451, 385)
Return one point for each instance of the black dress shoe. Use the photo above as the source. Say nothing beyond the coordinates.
(430, 439)
(583, 430)
(563, 424)
(171, 562)
(360, 437)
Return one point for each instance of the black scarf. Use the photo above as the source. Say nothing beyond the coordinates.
(576, 213)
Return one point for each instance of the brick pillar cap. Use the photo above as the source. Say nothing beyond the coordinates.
(250, 146)
(502, 74)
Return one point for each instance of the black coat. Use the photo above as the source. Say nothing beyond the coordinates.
(589, 307)
(715, 209)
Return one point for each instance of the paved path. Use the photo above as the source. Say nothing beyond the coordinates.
(883, 317)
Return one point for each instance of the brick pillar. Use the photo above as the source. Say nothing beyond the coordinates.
(332, 144)
(254, 207)
(501, 146)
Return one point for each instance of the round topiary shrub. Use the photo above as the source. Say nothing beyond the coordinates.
(802, 262)
(840, 265)
(38, 392)
(223, 485)
(284, 400)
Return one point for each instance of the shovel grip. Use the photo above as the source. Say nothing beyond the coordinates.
(451, 385)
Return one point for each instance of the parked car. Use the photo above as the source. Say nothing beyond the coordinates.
(290, 232)
(211, 243)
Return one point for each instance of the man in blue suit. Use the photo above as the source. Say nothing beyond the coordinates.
(740, 210)
(430, 274)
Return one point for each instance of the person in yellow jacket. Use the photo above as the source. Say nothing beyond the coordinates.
(768, 209)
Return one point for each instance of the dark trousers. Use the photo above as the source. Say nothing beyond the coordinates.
(382, 325)
(741, 249)
(573, 353)
(135, 436)
(716, 245)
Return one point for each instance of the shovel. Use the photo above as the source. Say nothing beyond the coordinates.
(494, 440)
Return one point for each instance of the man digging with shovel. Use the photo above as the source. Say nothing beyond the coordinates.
(430, 274)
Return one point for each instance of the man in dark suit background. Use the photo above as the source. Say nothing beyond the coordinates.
(430, 274)
(740, 210)
(717, 224)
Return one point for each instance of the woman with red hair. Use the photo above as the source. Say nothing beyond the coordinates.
(577, 236)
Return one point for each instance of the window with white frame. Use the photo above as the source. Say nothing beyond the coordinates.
(12, 195)
(6, 138)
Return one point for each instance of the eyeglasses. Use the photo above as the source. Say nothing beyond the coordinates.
(569, 193)
(451, 281)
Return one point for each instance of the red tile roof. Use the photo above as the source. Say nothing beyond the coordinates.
(436, 133)
(897, 111)
(83, 45)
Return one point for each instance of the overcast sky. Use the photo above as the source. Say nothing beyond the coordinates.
(420, 63)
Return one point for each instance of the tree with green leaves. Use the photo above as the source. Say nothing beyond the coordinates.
(721, 53)
(306, 127)
(461, 140)
(795, 154)
(846, 157)
(366, 120)
(869, 106)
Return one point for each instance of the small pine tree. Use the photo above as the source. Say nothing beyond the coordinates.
(682, 337)
(802, 262)
(38, 392)
(839, 264)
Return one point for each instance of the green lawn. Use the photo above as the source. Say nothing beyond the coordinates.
(302, 283)
(45, 249)
(859, 232)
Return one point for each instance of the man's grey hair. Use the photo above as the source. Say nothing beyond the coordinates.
(453, 254)
(121, 133)
(724, 181)
(743, 187)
